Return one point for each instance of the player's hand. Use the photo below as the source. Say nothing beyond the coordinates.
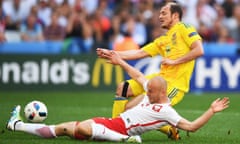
(220, 104)
(103, 53)
(113, 58)
(166, 61)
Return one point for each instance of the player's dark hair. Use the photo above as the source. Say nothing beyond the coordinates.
(176, 8)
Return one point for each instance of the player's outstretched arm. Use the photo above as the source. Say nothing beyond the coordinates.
(126, 55)
(217, 106)
(114, 58)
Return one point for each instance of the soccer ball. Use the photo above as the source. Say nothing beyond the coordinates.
(35, 111)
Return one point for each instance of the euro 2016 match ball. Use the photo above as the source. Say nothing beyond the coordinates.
(36, 111)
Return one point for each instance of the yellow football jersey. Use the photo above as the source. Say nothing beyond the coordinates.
(174, 44)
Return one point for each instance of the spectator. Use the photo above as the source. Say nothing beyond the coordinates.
(224, 36)
(65, 11)
(190, 13)
(126, 42)
(221, 27)
(53, 5)
(153, 29)
(221, 16)
(145, 9)
(101, 26)
(205, 32)
(54, 31)
(228, 7)
(205, 13)
(100, 23)
(103, 5)
(16, 11)
(235, 33)
(115, 29)
(31, 30)
(89, 5)
(34, 10)
(2, 24)
(139, 32)
(121, 5)
(44, 12)
(79, 32)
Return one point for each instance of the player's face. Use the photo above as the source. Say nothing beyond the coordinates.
(152, 93)
(165, 17)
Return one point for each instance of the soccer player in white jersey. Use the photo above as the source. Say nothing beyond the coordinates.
(153, 111)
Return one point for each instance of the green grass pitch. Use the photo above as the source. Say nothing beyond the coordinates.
(224, 128)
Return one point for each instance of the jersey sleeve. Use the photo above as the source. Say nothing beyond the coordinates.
(153, 48)
(189, 34)
(173, 117)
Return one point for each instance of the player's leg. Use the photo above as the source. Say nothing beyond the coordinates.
(122, 93)
(46, 131)
(130, 88)
(16, 124)
(111, 130)
(89, 129)
(126, 90)
(101, 132)
(76, 129)
(79, 130)
(175, 95)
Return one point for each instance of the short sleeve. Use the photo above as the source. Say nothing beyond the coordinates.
(189, 34)
(153, 48)
(173, 117)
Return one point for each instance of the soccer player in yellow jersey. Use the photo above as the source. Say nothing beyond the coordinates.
(179, 48)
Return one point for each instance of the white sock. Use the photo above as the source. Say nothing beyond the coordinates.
(100, 132)
(41, 130)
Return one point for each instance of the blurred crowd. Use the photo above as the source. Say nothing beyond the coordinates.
(113, 24)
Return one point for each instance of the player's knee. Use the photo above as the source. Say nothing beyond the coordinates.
(122, 89)
(82, 131)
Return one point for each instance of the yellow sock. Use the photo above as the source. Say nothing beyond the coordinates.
(118, 106)
(165, 129)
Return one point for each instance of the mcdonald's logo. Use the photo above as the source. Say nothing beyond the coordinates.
(107, 73)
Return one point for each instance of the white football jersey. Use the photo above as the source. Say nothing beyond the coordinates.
(145, 117)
